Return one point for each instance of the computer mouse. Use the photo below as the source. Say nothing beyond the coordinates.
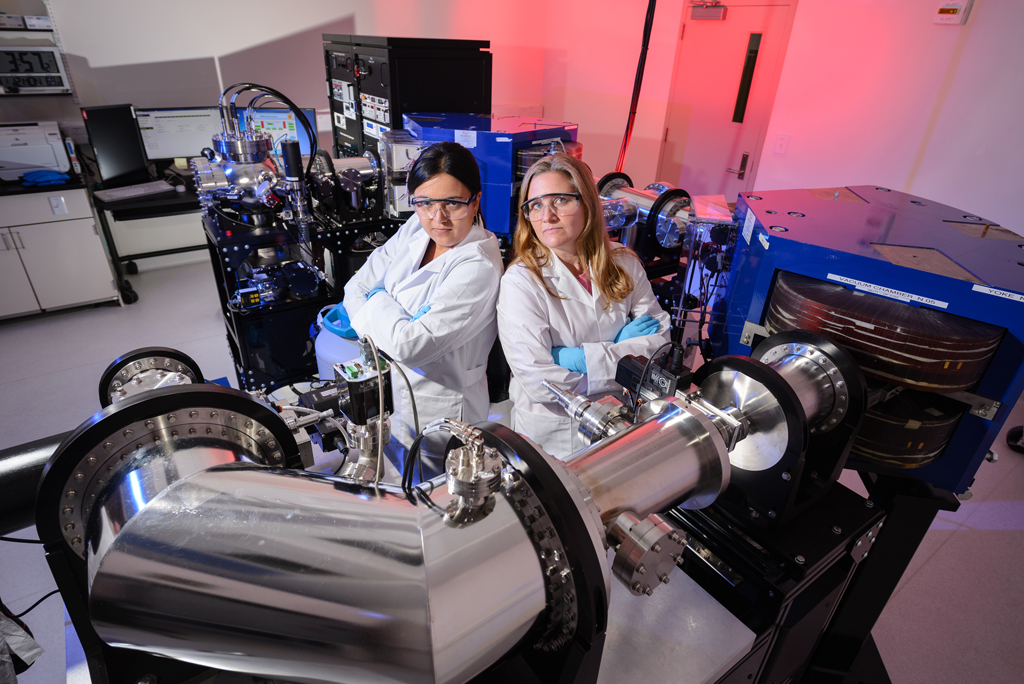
(179, 188)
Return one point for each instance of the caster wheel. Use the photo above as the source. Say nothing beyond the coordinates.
(131, 268)
(129, 296)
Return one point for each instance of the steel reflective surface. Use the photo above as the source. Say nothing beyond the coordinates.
(655, 463)
(767, 431)
(308, 578)
(812, 385)
(152, 470)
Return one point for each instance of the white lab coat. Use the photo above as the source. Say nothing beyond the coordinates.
(443, 353)
(531, 322)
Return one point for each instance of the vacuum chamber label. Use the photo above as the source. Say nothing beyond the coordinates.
(887, 291)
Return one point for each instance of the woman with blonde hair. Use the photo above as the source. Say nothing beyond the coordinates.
(572, 302)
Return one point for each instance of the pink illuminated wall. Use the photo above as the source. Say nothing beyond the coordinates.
(590, 57)
(873, 92)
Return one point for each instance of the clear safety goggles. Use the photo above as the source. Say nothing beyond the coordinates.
(560, 204)
(451, 208)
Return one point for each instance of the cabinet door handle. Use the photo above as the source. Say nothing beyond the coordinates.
(7, 247)
(18, 233)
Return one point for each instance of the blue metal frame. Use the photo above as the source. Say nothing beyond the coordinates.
(494, 142)
(826, 237)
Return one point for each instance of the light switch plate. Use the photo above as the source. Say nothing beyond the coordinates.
(781, 148)
(57, 205)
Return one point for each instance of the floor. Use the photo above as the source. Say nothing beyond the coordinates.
(957, 615)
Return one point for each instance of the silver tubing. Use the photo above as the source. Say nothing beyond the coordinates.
(677, 456)
(300, 576)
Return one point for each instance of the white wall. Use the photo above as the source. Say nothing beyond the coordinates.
(872, 92)
(152, 53)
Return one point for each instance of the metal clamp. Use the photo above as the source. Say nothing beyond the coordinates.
(648, 551)
(750, 330)
(980, 406)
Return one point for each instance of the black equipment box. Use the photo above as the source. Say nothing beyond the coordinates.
(373, 80)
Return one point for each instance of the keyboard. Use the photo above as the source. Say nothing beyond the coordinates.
(133, 191)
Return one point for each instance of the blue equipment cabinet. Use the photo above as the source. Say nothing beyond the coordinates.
(939, 257)
(495, 143)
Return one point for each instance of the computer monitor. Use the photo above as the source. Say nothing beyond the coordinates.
(282, 124)
(180, 132)
(114, 136)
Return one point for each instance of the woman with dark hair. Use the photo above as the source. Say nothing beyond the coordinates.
(572, 302)
(427, 296)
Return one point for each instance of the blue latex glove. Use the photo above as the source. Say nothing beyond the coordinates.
(419, 314)
(570, 358)
(373, 292)
(338, 323)
(645, 325)
(44, 177)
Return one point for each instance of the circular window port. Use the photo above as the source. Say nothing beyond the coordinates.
(972, 218)
(770, 211)
(797, 214)
(779, 229)
(883, 189)
(753, 197)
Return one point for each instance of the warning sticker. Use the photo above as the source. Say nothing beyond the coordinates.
(887, 291)
(748, 225)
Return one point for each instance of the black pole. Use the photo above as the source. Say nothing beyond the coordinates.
(21, 467)
(636, 86)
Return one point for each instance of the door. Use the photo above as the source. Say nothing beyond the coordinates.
(65, 262)
(726, 73)
(16, 296)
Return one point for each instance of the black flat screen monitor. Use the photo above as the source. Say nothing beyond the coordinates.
(115, 139)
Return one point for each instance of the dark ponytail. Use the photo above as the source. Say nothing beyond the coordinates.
(445, 157)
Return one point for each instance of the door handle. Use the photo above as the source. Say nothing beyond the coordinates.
(742, 171)
(7, 247)
(18, 233)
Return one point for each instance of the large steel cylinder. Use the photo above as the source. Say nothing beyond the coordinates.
(306, 578)
(675, 457)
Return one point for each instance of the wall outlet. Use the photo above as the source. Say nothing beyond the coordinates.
(781, 145)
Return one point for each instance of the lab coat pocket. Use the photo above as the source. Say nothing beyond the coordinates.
(430, 407)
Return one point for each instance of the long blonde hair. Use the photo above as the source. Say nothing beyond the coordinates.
(593, 244)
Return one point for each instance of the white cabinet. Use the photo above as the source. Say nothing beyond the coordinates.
(16, 296)
(51, 255)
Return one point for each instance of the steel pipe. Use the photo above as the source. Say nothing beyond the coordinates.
(308, 578)
(675, 457)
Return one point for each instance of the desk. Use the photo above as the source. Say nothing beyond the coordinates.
(150, 207)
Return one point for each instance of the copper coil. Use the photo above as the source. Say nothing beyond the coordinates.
(895, 342)
(908, 431)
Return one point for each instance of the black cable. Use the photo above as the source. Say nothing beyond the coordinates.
(344, 458)
(407, 468)
(643, 375)
(648, 24)
(313, 146)
(22, 541)
(25, 612)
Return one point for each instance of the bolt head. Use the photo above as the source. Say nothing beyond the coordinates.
(787, 477)
(640, 569)
(836, 529)
(800, 560)
(656, 548)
